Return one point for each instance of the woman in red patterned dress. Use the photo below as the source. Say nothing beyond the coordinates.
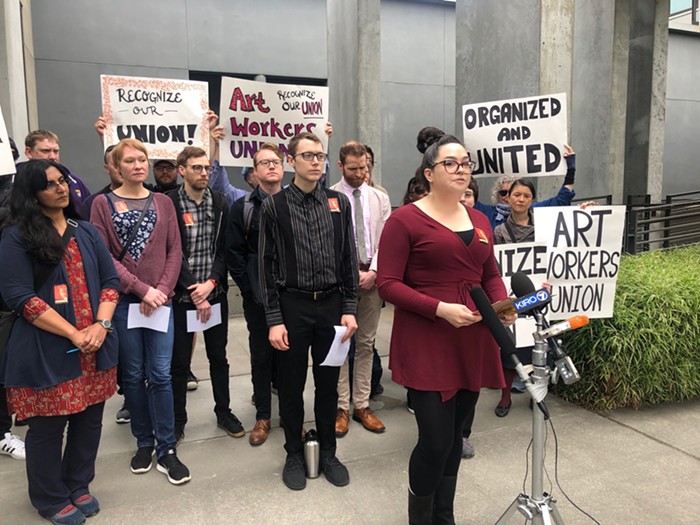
(59, 367)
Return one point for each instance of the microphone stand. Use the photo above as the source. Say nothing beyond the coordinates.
(539, 508)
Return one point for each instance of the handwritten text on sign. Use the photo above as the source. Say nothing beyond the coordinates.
(257, 112)
(166, 115)
(523, 137)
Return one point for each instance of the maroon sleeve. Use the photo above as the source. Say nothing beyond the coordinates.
(394, 255)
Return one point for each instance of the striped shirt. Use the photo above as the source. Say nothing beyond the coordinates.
(306, 242)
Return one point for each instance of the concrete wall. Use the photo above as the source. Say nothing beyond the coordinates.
(682, 154)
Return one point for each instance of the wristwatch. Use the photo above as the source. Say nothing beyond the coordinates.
(106, 324)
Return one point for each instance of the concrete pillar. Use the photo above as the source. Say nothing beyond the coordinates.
(354, 74)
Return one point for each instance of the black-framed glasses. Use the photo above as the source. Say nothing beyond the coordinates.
(309, 156)
(164, 167)
(53, 185)
(452, 166)
(503, 193)
(272, 162)
(198, 168)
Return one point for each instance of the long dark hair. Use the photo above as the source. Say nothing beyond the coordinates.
(41, 239)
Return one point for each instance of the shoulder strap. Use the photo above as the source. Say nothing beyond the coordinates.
(248, 208)
(47, 270)
(135, 230)
(510, 231)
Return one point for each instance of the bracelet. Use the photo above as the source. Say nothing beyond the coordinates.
(212, 281)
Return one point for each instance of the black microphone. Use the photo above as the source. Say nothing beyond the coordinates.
(522, 286)
(500, 334)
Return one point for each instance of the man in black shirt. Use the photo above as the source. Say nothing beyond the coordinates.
(308, 279)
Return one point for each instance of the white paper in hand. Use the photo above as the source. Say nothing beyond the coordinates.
(195, 325)
(159, 320)
(339, 351)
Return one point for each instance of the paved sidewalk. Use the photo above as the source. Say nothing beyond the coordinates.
(625, 468)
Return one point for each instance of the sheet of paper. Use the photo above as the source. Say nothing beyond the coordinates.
(158, 321)
(195, 325)
(339, 351)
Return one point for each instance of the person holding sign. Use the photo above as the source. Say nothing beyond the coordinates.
(431, 253)
(202, 216)
(61, 354)
(140, 228)
(308, 278)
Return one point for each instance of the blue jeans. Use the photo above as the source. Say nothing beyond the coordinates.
(145, 356)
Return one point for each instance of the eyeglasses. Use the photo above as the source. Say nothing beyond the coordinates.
(53, 186)
(309, 156)
(503, 193)
(164, 167)
(418, 190)
(198, 168)
(265, 163)
(452, 166)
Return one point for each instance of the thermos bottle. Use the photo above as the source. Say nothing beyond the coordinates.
(312, 452)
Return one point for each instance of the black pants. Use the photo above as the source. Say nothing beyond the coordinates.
(57, 477)
(262, 357)
(439, 448)
(5, 417)
(309, 323)
(215, 340)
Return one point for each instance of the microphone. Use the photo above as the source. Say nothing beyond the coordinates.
(528, 299)
(572, 323)
(500, 334)
(522, 285)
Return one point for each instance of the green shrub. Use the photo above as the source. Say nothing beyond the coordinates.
(649, 351)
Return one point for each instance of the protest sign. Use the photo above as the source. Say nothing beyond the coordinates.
(7, 163)
(166, 115)
(529, 258)
(253, 113)
(583, 257)
(522, 137)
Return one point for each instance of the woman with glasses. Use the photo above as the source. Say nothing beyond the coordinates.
(61, 356)
(415, 190)
(141, 231)
(431, 253)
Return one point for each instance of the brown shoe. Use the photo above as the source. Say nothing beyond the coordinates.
(260, 431)
(341, 422)
(368, 420)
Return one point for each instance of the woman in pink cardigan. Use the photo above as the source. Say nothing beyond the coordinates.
(141, 232)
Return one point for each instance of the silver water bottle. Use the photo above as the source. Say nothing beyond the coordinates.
(312, 454)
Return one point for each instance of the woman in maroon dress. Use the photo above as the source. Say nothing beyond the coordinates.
(431, 253)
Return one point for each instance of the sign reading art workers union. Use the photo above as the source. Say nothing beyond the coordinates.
(253, 113)
(523, 137)
(165, 114)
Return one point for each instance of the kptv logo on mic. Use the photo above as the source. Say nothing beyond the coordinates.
(535, 299)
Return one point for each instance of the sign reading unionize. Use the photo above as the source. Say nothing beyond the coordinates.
(166, 115)
(253, 113)
(522, 137)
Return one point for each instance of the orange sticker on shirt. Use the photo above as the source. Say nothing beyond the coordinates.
(60, 294)
(188, 219)
(334, 205)
(121, 206)
(482, 236)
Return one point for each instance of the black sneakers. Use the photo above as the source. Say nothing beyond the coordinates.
(142, 460)
(335, 471)
(172, 467)
(231, 425)
(294, 473)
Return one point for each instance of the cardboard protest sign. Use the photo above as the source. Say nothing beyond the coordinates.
(7, 163)
(584, 249)
(253, 113)
(522, 137)
(166, 115)
(529, 258)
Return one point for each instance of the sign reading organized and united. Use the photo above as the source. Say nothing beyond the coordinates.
(256, 112)
(166, 115)
(522, 137)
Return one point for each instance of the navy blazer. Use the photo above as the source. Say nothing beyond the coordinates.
(36, 358)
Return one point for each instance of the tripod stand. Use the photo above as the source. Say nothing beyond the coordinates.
(539, 508)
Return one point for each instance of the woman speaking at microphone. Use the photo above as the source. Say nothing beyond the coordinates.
(431, 253)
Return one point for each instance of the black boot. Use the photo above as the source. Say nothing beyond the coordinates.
(420, 509)
(443, 505)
